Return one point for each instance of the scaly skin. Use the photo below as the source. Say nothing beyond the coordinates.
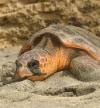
(44, 64)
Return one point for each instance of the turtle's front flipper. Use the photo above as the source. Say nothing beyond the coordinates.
(85, 68)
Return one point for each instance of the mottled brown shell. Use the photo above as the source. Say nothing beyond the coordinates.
(69, 36)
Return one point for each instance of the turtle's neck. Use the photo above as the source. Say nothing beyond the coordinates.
(67, 54)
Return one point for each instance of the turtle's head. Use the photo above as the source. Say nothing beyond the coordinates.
(32, 65)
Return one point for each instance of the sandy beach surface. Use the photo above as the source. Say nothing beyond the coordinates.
(61, 90)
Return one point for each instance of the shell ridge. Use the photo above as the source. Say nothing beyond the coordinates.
(69, 36)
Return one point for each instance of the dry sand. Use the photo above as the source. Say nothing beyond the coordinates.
(61, 90)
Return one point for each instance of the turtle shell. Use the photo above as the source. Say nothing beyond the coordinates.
(69, 36)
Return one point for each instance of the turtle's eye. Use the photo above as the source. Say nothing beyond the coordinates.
(32, 63)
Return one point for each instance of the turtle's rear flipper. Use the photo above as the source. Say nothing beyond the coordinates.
(85, 68)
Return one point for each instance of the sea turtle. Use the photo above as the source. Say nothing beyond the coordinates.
(56, 48)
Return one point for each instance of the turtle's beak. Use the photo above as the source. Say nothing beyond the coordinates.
(15, 75)
(22, 72)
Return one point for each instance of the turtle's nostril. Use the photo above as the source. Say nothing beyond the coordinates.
(19, 65)
(16, 62)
